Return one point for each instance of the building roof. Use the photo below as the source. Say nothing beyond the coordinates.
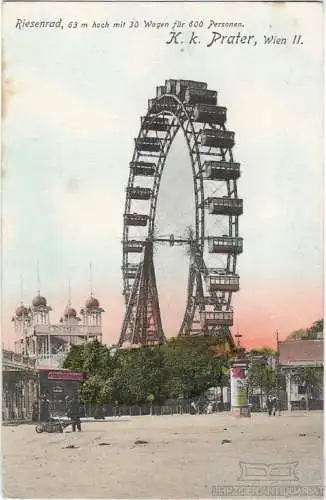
(301, 352)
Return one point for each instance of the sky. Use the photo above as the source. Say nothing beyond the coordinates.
(73, 102)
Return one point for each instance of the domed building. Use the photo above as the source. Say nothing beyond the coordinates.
(92, 315)
(92, 303)
(69, 312)
(69, 315)
(22, 320)
(40, 310)
(39, 301)
(48, 343)
(21, 312)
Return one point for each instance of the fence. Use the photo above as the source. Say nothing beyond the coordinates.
(99, 411)
(313, 404)
(258, 401)
(20, 392)
(19, 407)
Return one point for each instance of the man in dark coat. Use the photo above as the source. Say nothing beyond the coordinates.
(73, 412)
(269, 404)
(44, 409)
(274, 405)
(35, 411)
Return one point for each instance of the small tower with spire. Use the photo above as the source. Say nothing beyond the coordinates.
(69, 316)
(22, 320)
(40, 308)
(92, 313)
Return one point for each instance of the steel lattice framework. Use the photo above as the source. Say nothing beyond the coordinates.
(192, 108)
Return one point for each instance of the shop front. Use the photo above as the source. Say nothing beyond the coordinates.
(59, 386)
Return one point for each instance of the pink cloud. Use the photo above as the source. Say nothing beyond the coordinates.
(259, 312)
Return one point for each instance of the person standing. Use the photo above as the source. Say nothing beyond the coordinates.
(269, 404)
(73, 412)
(274, 405)
(193, 408)
(44, 409)
(35, 411)
(66, 401)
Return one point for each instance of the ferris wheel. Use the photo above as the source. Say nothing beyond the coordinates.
(214, 241)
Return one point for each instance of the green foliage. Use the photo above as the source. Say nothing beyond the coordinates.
(91, 389)
(312, 378)
(262, 376)
(266, 351)
(307, 333)
(183, 367)
(138, 373)
(97, 361)
(309, 376)
(92, 358)
(317, 326)
(74, 360)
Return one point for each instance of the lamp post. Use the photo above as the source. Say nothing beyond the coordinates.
(238, 336)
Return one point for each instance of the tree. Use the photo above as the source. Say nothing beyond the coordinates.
(91, 390)
(262, 351)
(311, 377)
(192, 366)
(75, 359)
(138, 373)
(262, 377)
(307, 333)
(317, 326)
(225, 378)
(92, 358)
(183, 367)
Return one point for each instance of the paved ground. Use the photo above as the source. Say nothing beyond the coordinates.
(184, 456)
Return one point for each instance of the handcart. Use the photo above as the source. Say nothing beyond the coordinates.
(52, 425)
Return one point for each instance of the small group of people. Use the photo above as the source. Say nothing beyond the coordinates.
(272, 405)
(72, 409)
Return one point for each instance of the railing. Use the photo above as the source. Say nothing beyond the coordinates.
(68, 330)
(185, 407)
(21, 409)
(51, 360)
(315, 404)
(10, 356)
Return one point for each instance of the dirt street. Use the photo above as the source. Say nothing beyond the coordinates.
(183, 456)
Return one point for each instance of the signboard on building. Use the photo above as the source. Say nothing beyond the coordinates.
(66, 375)
(58, 384)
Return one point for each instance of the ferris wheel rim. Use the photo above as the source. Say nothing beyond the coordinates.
(189, 121)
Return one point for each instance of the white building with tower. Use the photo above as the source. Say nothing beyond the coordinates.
(49, 343)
